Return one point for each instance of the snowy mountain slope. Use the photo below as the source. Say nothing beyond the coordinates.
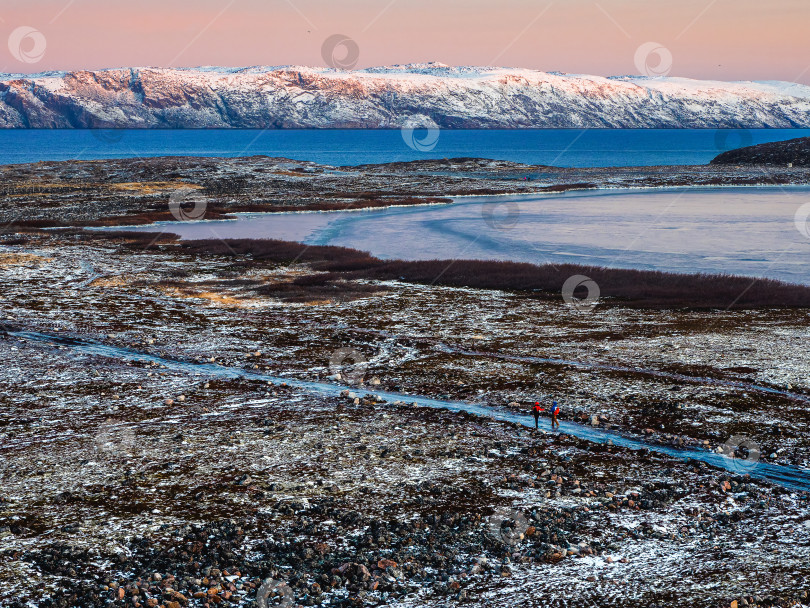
(389, 97)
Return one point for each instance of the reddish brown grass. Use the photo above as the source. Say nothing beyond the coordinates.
(633, 288)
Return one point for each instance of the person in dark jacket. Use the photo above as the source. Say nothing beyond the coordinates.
(536, 412)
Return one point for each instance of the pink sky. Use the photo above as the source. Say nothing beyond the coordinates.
(722, 39)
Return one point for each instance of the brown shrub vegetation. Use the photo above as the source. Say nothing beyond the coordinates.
(633, 288)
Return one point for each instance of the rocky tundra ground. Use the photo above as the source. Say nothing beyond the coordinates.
(159, 449)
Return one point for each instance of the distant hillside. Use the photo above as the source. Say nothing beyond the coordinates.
(422, 95)
(782, 153)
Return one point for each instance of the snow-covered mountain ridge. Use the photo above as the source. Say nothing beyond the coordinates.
(390, 97)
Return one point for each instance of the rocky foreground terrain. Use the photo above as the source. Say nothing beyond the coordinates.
(140, 191)
(792, 153)
(418, 95)
(190, 428)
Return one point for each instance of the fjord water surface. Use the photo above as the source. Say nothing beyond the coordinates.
(339, 147)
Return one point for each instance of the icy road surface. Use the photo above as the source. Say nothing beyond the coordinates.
(794, 478)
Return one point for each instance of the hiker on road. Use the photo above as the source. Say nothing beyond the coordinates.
(555, 411)
(536, 412)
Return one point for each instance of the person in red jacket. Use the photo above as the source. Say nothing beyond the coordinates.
(536, 412)
(555, 411)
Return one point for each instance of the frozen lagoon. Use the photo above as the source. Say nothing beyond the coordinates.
(745, 231)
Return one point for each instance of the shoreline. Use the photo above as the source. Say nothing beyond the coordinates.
(332, 267)
(139, 191)
(166, 229)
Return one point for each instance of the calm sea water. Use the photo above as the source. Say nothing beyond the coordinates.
(745, 231)
(559, 147)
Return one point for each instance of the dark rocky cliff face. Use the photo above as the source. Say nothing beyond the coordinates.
(781, 153)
